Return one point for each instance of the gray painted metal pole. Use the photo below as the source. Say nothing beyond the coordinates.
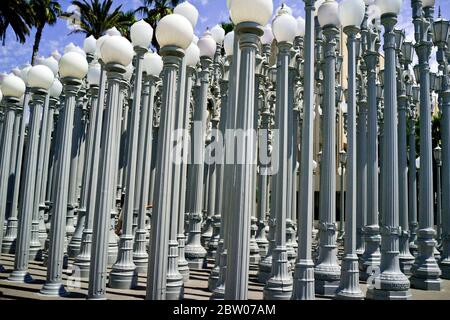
(304, 267)
(349, 282)
(20, 272)
(53, 285)
(159, 250)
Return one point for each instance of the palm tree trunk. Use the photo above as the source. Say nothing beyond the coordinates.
(37, 41)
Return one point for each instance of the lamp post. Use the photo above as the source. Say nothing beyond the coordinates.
(12, 88)
(123, 274)
(437, 153)
(304, 267)
(72, 67)
(172, 52)
(441, 36)
(390, 283)
(342, 162)
(279, 286)
(116, 53)
(351, 14)
(425, 270)
(39, 81)
(327, 270)
(152, 66)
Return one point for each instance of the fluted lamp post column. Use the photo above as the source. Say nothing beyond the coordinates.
(279, 286)
(412, 171)
(73, 67)
(425, 270)
(13, 88)
(327, 270)
(390, 283)
(173, 51)
(351, 14)
(194, 251)
(248, 17)
(123, 274)
(116, 52)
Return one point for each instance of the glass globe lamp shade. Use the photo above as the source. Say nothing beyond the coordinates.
(40, 77)
(317, 5)
(38, 60)
(284, 27)
(153, 64)
(218, 33)
(195, 39)
(73, 48)
(284, 7)
(117, 49)
(113, 32)
(94, 73)
(351, 12)
(187, 10)
(192, 55)
(56, 55)
(24, 73)
(141, 34)
(267, 37)
(12, 86)
(99, 44)
(428, 3)
(258, 11)
(128, 72)
(16, 71)
(73, 65)
(56, 89)
(1, 96)
(207, 45)
(328, 14)
(389, 6)
(174, 30)
(51, 63)
(228, 43)
(300, 27)
(90, 45)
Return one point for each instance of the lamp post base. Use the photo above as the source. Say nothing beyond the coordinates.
(375, 294)
(123, 278)
(278, 289)
(428, 284)
(265, 269)
(20, 276)
(445, 268)
(53, 289)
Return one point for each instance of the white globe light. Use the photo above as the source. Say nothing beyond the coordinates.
(16, 71)
(56, 89)
(90, 45)
(40, 77)
(284, 27)
(52, 64)
(300, 27)
(284, 7)
(24, 73)
(1, 96)
(267, 37)
(73, 48)
(113, 32)
(351, 12)
(373, 15)
(392, 6)
(369, 2)
(12, 86)
(99, 44)
(94, 73)
(428, 3)
(207, 45)
(218, 33)
(258, 11)
(73, 65)
(38, 60)
(56, 55)
(195, 39)
(141, 34)
(153, 64)
(128, 72)
(188, 11)
(174, 30)
(192, 55)
(117, 49)
(328, 14)
(317, 5)
(228, 43)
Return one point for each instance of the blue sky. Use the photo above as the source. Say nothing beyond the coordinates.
(14, 54)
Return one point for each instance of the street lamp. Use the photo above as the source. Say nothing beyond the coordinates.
(72, 68)
(174, 34)
(351, 15)
(279, 286)
(391, 282)
(116, 53)
(327, 270)
(437, 153)
(342, 162)
(13, 88)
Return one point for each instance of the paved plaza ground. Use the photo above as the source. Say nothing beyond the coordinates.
(195, 288)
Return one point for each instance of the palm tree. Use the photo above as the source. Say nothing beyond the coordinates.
(97, 16)
(154, 10)
(17, 15)
(43, 12)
